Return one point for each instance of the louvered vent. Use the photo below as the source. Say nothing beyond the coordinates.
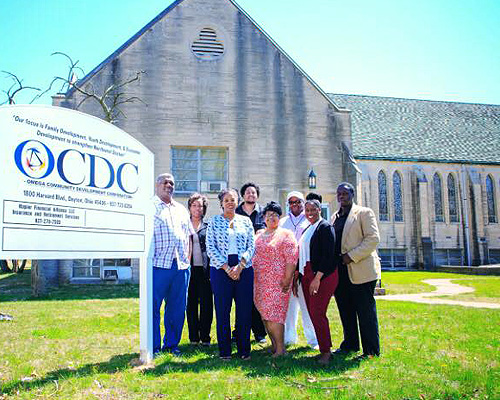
(207, 46)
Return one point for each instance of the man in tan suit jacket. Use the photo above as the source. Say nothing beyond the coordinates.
(357, 237)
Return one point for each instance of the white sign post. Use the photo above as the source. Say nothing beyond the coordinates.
(75, 186)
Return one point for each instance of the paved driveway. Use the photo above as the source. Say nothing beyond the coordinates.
(444, 287)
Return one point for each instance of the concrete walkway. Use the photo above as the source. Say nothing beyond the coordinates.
(444, 287)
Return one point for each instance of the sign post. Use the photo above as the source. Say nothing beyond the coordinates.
(75, 186)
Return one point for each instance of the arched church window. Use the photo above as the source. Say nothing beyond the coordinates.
(383, 211)
(452, 199)
(438, 198)
(398, 196)
(490, 198)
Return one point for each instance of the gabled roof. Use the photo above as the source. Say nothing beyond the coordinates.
(123, 47)
(421, 130)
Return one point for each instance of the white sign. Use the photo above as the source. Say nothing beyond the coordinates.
(73, 186)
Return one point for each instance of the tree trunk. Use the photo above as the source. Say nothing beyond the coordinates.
(44, 276)
(4, 267)
(18, 266)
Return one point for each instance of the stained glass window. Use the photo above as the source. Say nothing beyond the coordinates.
(490, 197)
(452, 199)
(398, 196)
(438, 198)
(383, 211)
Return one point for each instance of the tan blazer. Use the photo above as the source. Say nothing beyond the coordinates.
(359, 240)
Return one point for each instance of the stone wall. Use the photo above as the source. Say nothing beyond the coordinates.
(252, 100)
(419, 232)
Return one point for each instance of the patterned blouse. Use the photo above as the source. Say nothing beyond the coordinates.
(218, 239)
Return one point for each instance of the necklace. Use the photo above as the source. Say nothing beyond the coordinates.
(267, 234)
(300, 218)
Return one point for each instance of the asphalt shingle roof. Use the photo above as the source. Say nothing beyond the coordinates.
(423, 130)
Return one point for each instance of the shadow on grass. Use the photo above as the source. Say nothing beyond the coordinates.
(116, 364)
(260, 365)
(17, 287)
(14, 287)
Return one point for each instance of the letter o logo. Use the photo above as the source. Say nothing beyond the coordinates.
(34, 159)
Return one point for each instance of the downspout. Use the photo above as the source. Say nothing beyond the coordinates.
(465, 209)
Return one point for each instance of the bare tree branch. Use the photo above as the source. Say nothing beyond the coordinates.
(81, 102)
(73, 68)
(110, 99)
(16, 88)
(42, 93)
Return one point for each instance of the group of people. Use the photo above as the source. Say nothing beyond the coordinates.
(270, 265)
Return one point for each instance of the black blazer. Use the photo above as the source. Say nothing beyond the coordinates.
(322, 249)
(202, 236)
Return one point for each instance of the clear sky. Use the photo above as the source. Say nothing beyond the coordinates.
(427, 49)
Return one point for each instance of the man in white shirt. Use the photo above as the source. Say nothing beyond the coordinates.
(296, 221)
(171, 264)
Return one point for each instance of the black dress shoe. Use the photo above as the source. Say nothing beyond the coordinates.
(343, 352)
(261, 339)
(366, 356)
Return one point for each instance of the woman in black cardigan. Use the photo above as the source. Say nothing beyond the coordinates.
(200, 302)
(318, 268)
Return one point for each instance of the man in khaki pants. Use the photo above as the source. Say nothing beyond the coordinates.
(359, 269)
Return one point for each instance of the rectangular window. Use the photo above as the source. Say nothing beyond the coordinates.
(91, 268)
(494, 256)
(325, 211)
(86, 269)
(392, 258)
(448, 257)
(199, 169)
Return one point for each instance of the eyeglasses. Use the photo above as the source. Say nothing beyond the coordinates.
(270, 215)
(294, 202)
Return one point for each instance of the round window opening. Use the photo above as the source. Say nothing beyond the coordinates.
(208, 46)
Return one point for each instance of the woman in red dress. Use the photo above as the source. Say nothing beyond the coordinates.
(274, 262)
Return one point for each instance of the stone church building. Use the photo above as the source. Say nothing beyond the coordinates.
(431, 172)
(222, 104)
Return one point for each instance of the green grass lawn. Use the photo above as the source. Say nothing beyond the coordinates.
(78, 343)
(403, 282)
(487, 288)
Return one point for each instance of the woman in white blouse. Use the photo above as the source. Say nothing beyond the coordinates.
(230, 247)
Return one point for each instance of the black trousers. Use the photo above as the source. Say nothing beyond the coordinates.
(258, 328)
(200, 306)
(356, 303)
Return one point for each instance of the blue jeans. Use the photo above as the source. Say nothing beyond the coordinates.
(169, 285)
(225, 290)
